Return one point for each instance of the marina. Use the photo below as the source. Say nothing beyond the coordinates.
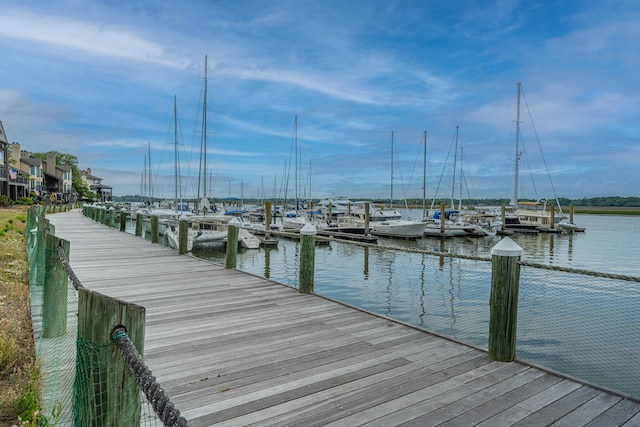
(236, 349)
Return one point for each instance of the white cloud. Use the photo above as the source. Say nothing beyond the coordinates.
(90, 37)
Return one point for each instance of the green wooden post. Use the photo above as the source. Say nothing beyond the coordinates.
(505, 283)
(155, 233)
(112, 217)
(56, 281)
(138, 224)
(232, 244)
(108, 393)
(123, 221)
(183, 236)
(37, 262)
(307, 258)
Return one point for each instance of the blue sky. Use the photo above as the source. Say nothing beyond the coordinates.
(97, 79)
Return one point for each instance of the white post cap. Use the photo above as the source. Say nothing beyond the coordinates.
(308, 230)
(507, 247)
(235, 222)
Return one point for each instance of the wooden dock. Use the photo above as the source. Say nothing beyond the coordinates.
(230, 348)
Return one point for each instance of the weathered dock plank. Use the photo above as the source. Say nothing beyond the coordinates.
(231, 348)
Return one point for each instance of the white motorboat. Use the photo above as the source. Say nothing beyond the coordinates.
(400, 228)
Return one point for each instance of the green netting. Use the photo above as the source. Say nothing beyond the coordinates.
(75, 372)
(92, 405)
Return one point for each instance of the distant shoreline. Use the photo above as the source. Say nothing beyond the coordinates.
(603, 210)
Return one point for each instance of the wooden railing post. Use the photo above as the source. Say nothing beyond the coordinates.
(183, 236)
(505, 283)
(232, 244)
(123, 221)
(138, 224)
(155, 232)
(307, 258)
(112, 217)
(106, 390)
(56, 281)
(37, 261)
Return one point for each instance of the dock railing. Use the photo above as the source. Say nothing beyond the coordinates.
(502, 304)
(89, 344)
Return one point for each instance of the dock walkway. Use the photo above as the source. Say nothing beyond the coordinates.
(230, 348)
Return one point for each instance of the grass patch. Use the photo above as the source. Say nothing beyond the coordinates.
(19, 369)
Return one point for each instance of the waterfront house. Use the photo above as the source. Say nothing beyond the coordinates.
(14, 183)
(104, 192)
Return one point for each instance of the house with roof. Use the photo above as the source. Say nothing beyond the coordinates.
(45, 178)
(24, 175)
(104, 192)
(14, 183)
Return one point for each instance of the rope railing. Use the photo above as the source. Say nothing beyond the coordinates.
(72, 275)
(162, 405)
(580, 271)
(165, 410)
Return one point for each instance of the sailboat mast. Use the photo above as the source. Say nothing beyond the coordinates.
(175, 148)
(391, 170)
(453, 183)
(204, 127)
(514, 200)
(461, 179)
(295, 138)
(149, 175)
(424, 176)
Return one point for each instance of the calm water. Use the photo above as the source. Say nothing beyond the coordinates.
(579, 325)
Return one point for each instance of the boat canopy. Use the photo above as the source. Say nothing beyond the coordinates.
(447, 213)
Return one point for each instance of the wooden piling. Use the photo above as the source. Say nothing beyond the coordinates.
(367, 215)
(123, 221)
(505, 283)
(108, 392)
(112, 217)
(155, 232)
(571, 214)
(232, 245)
(307, 258)
(138, 224)
(442, 219)
(183, 236)
(267, 220)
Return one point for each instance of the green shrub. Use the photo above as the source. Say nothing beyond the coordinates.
(24, 201)
(5, 201)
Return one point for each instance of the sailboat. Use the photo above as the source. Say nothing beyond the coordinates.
(388, 222)
(531, 216)
(452, 224)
